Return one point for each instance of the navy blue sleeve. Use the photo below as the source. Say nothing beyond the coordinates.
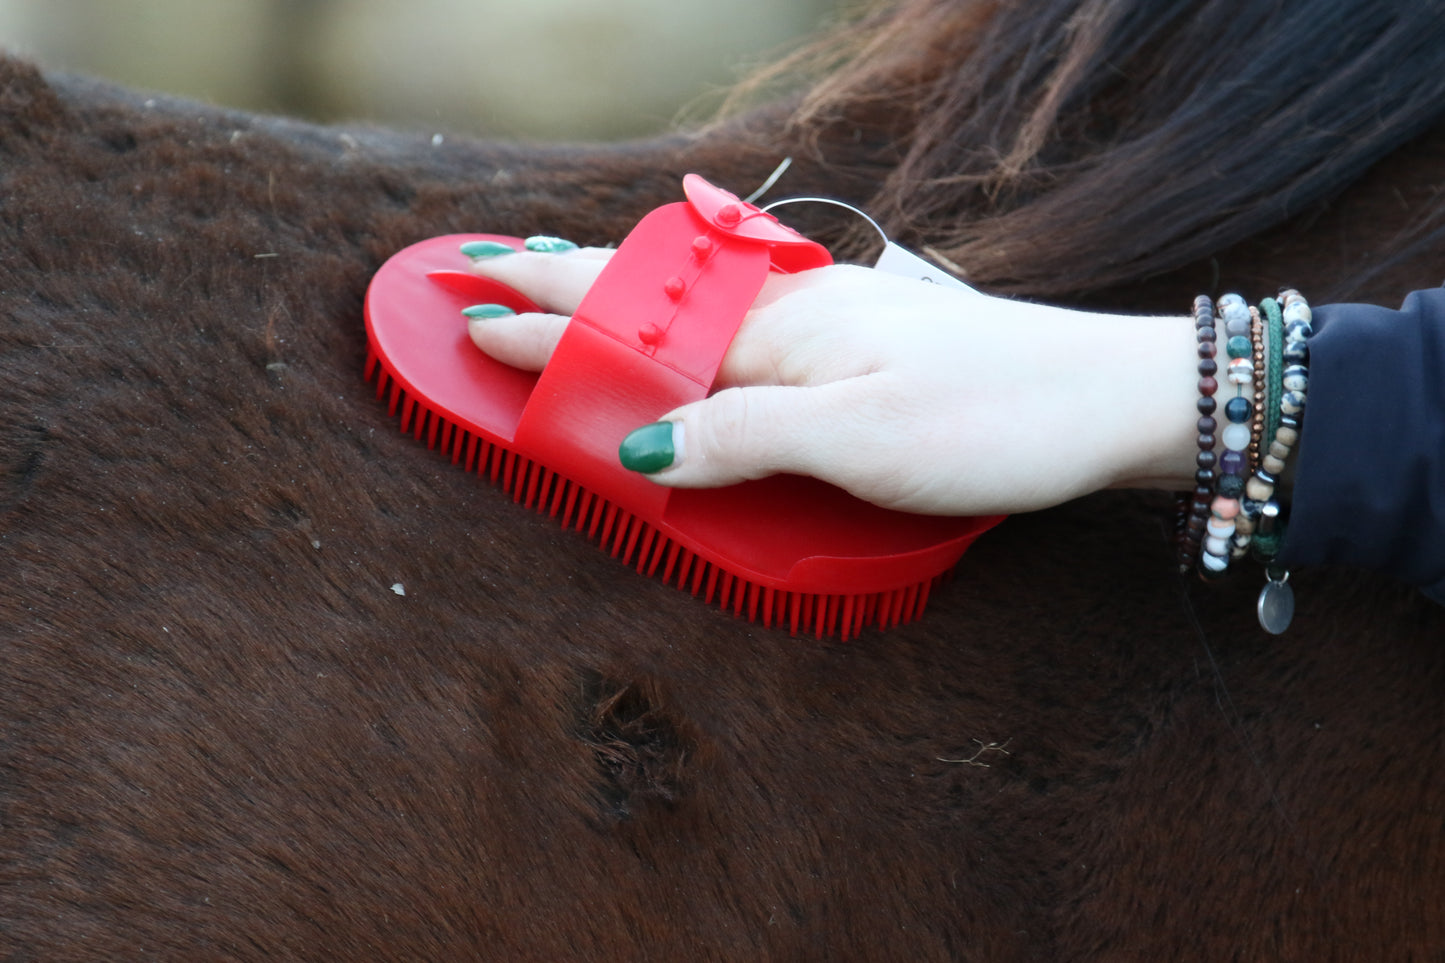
(1369, 484)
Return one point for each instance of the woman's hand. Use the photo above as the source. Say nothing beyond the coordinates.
(910, 395)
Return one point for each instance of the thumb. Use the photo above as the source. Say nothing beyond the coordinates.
(750, 432)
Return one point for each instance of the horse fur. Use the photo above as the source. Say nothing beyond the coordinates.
(223, 735)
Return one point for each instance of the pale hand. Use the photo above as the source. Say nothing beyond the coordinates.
(910, 395)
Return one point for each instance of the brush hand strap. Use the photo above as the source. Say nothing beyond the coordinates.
(652, 331)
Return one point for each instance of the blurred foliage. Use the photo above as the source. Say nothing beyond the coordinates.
(546, 69)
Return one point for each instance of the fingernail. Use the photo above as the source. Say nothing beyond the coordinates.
(652, 448)
(549, 245)
(478, 312)
(476, 250)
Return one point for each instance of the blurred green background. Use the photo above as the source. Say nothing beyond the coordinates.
(531, 69)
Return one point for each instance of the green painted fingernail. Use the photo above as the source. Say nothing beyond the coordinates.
(479, 311)
(651, 448)
(549, 245)
(476, 250)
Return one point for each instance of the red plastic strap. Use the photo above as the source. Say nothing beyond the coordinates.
(652, 331)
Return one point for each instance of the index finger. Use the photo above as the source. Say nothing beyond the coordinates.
(556, 282)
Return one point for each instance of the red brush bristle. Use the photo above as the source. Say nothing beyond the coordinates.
(636, 543)
(589, 513)
(434, 424)
(634, 533)
(712, 574)
(725, 588)
(673, 551)
(559, 492)
(536, 481)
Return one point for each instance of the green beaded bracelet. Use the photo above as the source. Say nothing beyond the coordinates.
(1274, 359)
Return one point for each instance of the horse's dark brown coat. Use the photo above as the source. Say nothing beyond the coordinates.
(224, 735)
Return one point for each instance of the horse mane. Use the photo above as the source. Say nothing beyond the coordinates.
(1140, 137)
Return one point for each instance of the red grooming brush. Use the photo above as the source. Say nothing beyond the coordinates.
(648, 337)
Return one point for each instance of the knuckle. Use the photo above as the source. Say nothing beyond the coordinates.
(546, 331)
(727, 423)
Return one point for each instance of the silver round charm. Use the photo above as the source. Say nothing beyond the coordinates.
(1276, 605)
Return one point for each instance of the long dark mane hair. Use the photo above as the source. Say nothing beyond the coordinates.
(1145, 135)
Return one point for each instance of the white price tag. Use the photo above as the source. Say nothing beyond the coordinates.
(897, 259)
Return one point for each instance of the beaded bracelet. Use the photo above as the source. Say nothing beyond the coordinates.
(1233, 464)
(1273, 337)
(1256, 336)
(1193, 509)
(1244, 524)
(1290, 373)
(1233, 509)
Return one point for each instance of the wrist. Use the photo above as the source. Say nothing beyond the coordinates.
(1150, 420)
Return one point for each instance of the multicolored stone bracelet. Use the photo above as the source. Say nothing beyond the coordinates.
(1233, 463)
(1244, 524)
(1276, 600)
(1193, 508)
(1272, 335)
(1234, 510)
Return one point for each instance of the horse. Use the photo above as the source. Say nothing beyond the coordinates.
(282, 683)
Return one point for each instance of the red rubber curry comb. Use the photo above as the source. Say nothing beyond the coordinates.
(648, 337)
